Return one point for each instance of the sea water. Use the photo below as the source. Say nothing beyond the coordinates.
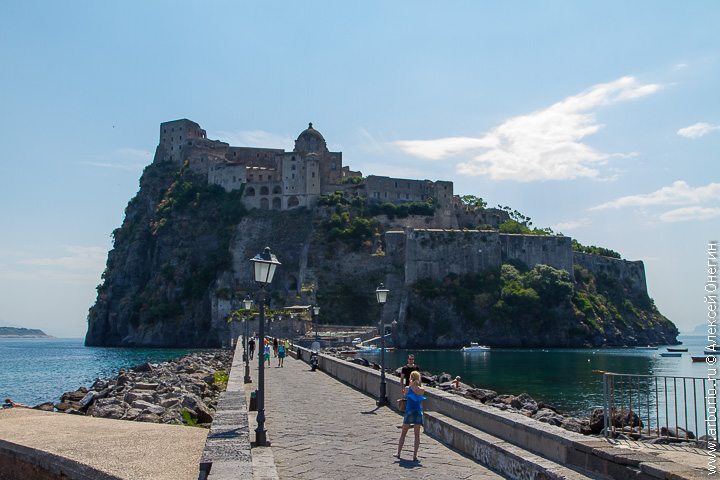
(563, 378)
(36, 370)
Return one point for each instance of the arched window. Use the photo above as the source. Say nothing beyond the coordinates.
(293, 202)
(292, 283)
(250, 192)
(277, 203)
(276, 189)
(264, 191)
(264, 203)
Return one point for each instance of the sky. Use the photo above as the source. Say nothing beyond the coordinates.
(599, 119)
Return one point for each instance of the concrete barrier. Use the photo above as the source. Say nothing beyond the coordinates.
(227, 448)
(18, 461)
(589, 454)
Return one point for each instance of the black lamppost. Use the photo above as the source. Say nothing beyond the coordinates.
(247, 303)
(264, 268)
(316, 313)
(381, 293)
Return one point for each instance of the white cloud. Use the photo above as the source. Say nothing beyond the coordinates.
(679, 193)
(255, 138)
(570, 225)
(132, 159)
(77, 258)
(690, 213)
(698, 130)
(542, 145)
(680, 66)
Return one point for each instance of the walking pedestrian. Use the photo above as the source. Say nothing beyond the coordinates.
(414, 395)
(266, 355)
(251, 345)
(275, 347)
(408, 369)
(281, 354)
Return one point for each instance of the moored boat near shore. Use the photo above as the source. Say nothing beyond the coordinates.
(475, 347)
(671, 354)
(649, 347)
(671, 349)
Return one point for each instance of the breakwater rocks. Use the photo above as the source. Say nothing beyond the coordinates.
(181, 391)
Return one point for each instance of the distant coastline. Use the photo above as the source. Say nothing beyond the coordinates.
(19, 332)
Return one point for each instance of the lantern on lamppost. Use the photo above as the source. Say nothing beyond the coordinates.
(247, 304)
(316, 314)
(381, 294)
(264, 266)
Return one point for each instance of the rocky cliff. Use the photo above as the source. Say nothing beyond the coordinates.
(179, 266)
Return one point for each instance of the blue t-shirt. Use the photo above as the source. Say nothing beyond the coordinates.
(414, 401)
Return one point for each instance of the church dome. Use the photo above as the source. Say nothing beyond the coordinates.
(310, 140)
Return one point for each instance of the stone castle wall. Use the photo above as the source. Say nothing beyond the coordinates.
(624, 271)
(535, 249)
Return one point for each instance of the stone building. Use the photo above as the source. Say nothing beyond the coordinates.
(281, 180)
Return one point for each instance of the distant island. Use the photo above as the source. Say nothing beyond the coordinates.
(19, 332)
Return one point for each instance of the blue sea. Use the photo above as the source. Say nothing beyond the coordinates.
(39, 370)
(36, 370)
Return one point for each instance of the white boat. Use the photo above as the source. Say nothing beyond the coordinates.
(475, 347)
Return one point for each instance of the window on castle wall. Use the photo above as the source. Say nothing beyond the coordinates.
(293, 176)
(332, 166)
(313, 174)
(293, 167)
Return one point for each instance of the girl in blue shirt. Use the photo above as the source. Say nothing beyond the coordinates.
(414, 395)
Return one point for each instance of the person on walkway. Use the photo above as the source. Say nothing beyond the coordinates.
(275, 347)
(251, 346)
(266, 354)
(287, 345)
(414, 395)
(281, 354)
(408, 369)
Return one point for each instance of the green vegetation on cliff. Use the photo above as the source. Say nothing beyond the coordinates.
(538, 307)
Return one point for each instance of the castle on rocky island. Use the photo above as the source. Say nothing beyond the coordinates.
(279, 180)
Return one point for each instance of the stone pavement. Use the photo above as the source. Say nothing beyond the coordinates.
(321, 428)
(124, 449)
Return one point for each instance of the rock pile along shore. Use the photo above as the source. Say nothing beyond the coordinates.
(628, 425)
(178, 391)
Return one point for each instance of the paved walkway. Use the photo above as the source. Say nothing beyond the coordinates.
(128, 450)
(323, 429)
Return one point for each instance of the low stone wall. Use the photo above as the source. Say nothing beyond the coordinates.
(227, 448)
(17, 461)
(548, 441)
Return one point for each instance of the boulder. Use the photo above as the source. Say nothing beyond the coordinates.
(148, 417)
(198, 407)
(169, 402)
(481, 394)
(524, 402)
(108, 411)
(145, 367)
(134, 395)
(122, 379)
(147, 407)
(677, 432)
(597, 420)
(88, 399)
(46, 406)
(145, 386)
(546, 415)
(132, 414)
(62, 406)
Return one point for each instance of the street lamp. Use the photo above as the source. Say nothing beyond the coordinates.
(264, 265)
(247, 303)
(316, 313)
(381, 293)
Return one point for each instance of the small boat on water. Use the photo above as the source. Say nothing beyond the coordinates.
(475, 347)
(671, 349)
(649, 347)
(698, 359)
(372, 349)
(671, 354)
(711, 352)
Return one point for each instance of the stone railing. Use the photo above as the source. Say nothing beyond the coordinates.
(567, 448)
(227, 448)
